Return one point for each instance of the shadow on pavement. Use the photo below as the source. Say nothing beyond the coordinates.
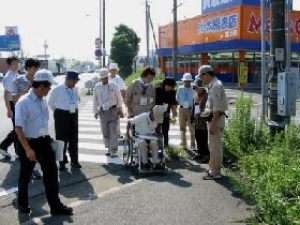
(124, 175)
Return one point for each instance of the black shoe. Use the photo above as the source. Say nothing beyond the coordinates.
(62, 210)
(62, 167)
(36, 175)
(76, 165)
(107, 153)
(24, 209)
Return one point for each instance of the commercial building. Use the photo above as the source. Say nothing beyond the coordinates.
(227, 36)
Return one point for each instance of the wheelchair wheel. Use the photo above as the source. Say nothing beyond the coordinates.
(127, 153)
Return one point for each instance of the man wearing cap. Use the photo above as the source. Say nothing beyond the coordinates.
(184, 97)
(63, 101)
(21, 86)
(31, 120)
(216, 106)
(114, 77)
(145, 125)
(107, 105)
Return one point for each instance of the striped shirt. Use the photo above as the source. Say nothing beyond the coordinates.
(20, 83)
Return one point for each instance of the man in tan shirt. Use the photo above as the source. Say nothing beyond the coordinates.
(108, 106)
(216, 105)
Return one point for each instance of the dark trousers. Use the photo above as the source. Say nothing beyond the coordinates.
(201, 136)
(11, 138)
(165, 130)
(46, 157)
(66, 129)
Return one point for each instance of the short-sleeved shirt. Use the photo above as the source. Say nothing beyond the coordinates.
(217, 101)
(8, 82)
(32, 115)
(143, 124)
(20, 83)
(61, 97)
(118, 81)
(184, 95)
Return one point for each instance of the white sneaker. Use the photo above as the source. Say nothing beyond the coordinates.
(5, 154)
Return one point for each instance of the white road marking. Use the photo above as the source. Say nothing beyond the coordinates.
(102, 159)
(9, 191)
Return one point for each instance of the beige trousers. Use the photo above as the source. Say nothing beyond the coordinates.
(215, 144)
(185, 120)
(109, 125)
(143, 146)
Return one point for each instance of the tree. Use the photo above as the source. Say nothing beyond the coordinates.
(124, 47)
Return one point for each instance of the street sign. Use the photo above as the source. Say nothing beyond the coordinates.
(11, 30)
(9, 43)
(98, 43)
(98, 53)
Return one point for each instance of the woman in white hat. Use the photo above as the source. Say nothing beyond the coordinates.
(184, 97)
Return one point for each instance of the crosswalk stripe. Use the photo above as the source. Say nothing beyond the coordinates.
(100, 159)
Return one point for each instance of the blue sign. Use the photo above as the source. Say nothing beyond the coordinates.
(209, 6)
(9, 43)
(98, 53)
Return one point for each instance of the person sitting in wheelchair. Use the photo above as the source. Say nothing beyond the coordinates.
(146, 125)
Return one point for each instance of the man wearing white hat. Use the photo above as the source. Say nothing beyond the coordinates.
(184, 97)
(114, 77)
(108, 106)
(145, 125)
(32, 116)
(216, 106)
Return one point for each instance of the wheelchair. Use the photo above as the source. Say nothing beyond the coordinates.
(132, 156)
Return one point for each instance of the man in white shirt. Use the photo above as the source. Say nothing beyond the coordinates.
(12, 73)
(63, 101)
(145, 126)
(108, 106)
(114, 77)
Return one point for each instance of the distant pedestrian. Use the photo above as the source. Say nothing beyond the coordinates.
(216, 106)
(165, 94)
(107, 105)
(63, 101)
(32, 116)
(140, 95)
(201, 132)
(184, 96)
(21, 86)
(12, 73)
(114, 77)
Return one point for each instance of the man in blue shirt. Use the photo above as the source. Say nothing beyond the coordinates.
(184, 97)
(31, 121)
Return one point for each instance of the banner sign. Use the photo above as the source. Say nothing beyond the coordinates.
(243, 74)
(220, 23)
(209, 6)
(9, 42)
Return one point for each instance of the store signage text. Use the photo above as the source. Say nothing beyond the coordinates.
(217, 24)
(255, 25)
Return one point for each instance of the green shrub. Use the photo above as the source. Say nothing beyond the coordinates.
(157, 80)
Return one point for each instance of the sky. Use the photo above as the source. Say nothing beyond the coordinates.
(71, 26)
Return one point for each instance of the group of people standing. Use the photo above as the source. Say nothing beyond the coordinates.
(27, 106)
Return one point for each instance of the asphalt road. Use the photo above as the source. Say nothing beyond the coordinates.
(108, 193)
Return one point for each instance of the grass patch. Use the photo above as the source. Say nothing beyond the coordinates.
(269, 167)
(173, 152)
(157, 80)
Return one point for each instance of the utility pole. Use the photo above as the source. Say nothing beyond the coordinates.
(277, 63)
(100, 32)
(175, 34)
(147, 31)
(104, 21)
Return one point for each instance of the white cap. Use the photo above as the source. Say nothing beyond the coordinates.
(187, 77)
(103, 73)
(113, 66)
(44, 75)
(158, 112)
